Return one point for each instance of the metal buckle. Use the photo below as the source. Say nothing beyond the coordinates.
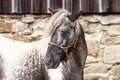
(65, 49)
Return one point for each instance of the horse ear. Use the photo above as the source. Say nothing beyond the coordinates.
(52, 11)
(74, 16)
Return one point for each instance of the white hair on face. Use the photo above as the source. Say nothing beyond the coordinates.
(61, 41)
(64, 40)
(71, 36)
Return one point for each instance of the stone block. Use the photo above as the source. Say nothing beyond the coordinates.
(19, 26)
(91, 59)
(5, 27)
(91, 28)
(96, 68)
(93, 47)
(107, 40)
(111, 54)
(109, 19)
(113, 30)
(98, 76)
(27, 19)
(115, 73)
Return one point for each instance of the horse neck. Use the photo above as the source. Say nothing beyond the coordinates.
(72, 69)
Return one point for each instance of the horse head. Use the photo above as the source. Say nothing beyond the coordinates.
(63, 37)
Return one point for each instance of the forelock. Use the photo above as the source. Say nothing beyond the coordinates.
(55, 21)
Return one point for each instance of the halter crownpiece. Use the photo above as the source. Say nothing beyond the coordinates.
(73, 43)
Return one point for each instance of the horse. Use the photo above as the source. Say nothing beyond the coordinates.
(67, 49)
(54, 57)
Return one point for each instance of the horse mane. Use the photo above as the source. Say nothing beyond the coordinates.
(55, 21)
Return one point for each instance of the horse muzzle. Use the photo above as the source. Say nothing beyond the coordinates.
(51, 64)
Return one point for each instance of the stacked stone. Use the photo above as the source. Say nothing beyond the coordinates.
(25, 28)
(103, 41)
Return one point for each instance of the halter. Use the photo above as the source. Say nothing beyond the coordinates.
(73, 43)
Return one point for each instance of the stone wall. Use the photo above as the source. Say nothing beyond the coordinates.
(25, 28)
(103, 40)
(102, 34)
